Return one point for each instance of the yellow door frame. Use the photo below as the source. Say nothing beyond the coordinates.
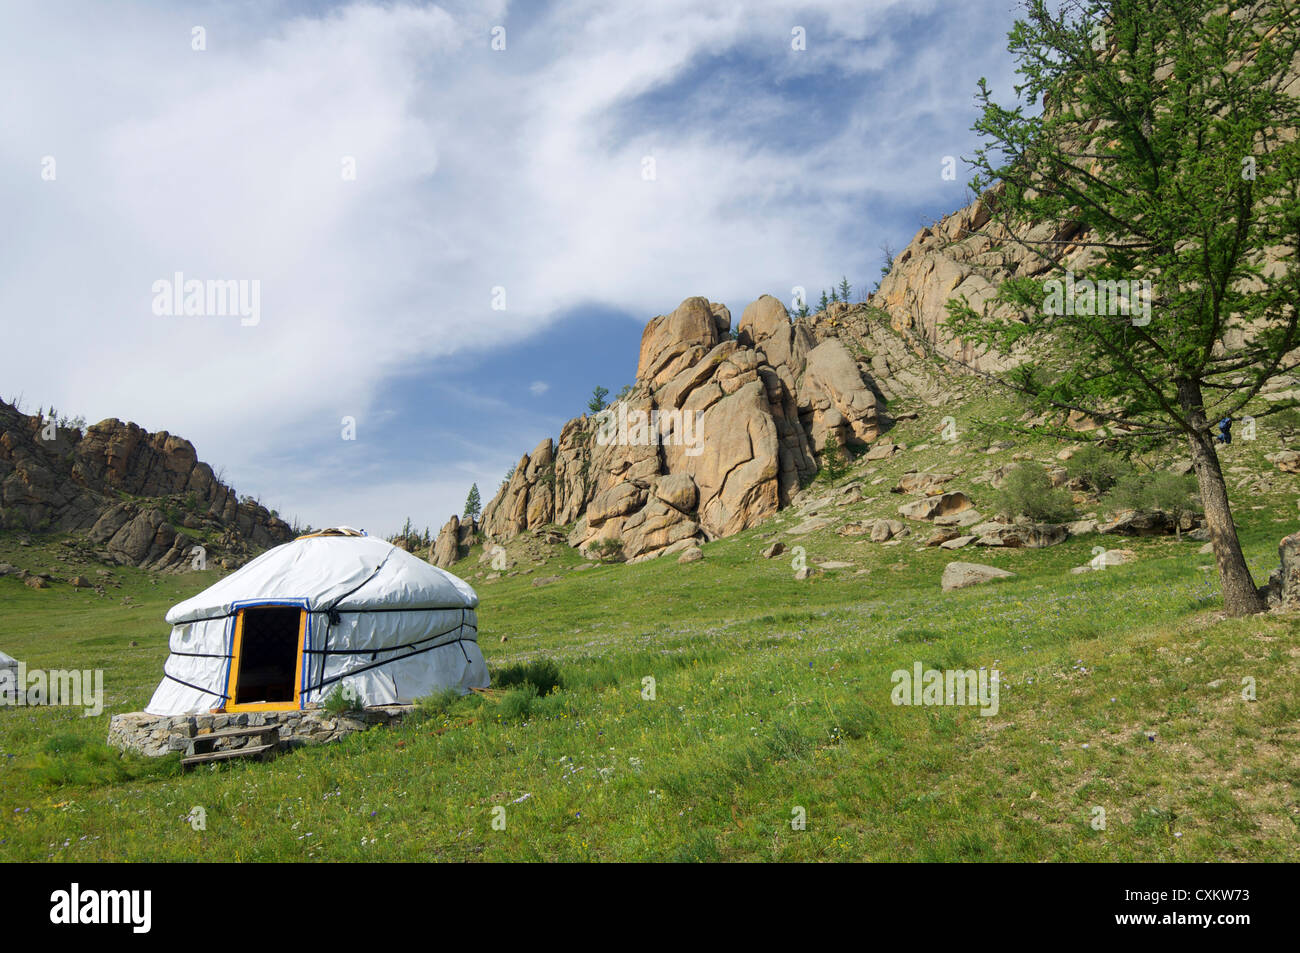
(232, 689)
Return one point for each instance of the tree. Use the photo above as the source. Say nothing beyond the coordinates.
(824, 303)
(835, 460)
(886, 263)
(473, 503)
(1165, 152)
(845, 288)
(597, 402)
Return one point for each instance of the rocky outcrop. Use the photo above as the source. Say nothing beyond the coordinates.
(1288, 461)
(527, 501)
(1152, 523)
(1284, 584)
(932, 507)
(965, 253)
(132, 492)
(1025, 533)
(717, 434)
(453, 541)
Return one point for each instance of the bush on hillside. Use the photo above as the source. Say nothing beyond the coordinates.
(543, 674)
(607, 550)
(1097, 468)
(1028, 491)
(1172, 493)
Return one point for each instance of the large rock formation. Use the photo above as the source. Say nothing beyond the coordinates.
(133, 493)
(717, 433)
(453, 541)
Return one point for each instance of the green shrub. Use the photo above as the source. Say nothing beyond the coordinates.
(1172, 493)
(1284, 421)
(1097, 468)
(517, 704)
(542, 674)
(607, 550)
(341, 701)
(439, 703)
(1028, 491)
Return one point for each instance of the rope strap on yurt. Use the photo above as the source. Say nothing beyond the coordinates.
(397, 648)
(401, 658)
(332, 609)
(332, 618)
(393, 648)
(207, 691)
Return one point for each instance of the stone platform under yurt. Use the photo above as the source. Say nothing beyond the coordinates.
(158, 735)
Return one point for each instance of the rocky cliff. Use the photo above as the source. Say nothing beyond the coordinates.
(134, 494)
(717, 433)
(765, 399)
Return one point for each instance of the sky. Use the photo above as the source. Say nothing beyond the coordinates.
(454, 219)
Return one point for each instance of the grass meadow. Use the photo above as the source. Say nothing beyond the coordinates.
(1121, 692)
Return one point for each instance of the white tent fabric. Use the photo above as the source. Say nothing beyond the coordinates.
(380, 622)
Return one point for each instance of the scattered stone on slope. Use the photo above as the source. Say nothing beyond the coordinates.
(963, 518)
(856, 528)
(926, 483)
(944, 504)
(958, 542)
(1105, 559)
(958, 575)
(1288, 461)
(1146, 523)
(941, 536)
(810, 525)
(1025, 534)
(883, 530)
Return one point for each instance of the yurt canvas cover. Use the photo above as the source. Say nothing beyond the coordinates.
(327, 610)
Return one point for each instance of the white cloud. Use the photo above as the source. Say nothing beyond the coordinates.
(538, 388)
(474, 169)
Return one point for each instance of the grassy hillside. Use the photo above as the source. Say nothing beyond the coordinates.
(1121, 689)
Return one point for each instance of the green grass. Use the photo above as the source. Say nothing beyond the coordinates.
(770, 695)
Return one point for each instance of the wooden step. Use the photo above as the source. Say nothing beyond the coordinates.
(203, 744)
(256, 752)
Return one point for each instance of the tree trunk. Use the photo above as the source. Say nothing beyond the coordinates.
(1240, 597)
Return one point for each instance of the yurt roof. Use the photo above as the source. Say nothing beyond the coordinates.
(332, 571)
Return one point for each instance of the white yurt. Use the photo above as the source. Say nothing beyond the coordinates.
(332, 610)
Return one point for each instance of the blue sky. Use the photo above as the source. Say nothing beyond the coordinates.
(476, 169)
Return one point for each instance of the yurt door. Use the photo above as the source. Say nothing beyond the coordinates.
(267, 659)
